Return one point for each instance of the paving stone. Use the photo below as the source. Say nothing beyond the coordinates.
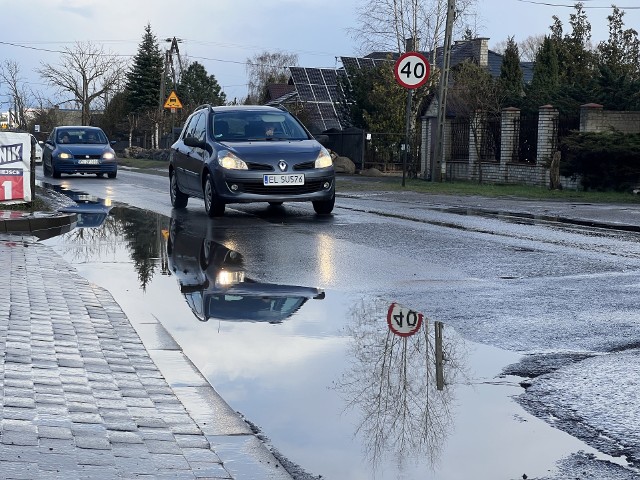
(116, 437)
(161, 446)
(54, 432)
(92, 443)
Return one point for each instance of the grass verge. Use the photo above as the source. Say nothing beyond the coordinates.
(393, 183)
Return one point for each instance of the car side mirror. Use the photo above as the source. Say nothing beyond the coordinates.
(194, 142)
(113, 142)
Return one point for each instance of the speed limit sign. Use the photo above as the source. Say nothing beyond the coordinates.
(403, 321)
(412, 70)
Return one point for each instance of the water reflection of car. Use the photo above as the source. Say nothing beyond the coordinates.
(213, 282)
(91, 211)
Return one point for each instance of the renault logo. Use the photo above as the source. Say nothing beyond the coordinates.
(282, 165)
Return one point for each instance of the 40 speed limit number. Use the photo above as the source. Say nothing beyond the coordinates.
(412, 70)
(403, 321)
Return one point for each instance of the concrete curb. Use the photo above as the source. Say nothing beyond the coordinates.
(42, 225)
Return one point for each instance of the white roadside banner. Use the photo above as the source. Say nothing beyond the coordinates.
(15, 168)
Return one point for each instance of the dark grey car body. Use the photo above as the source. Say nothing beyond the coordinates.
(268, 160)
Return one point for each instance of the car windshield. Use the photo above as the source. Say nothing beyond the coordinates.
(81, 135)
(253, 125)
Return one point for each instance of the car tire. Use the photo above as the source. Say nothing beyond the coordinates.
(100, 175)
(45, 170)
(178, 198)
(324, 207)
(54, 172)
(275, 204)
(112, 174)
(212, 204)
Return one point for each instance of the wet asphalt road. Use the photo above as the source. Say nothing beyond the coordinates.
(524, 284)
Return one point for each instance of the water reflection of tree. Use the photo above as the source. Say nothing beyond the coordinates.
(392, 382)
(140, 229)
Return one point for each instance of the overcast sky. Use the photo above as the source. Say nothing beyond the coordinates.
(223, 34)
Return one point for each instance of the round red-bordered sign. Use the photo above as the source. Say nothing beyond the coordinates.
(403, 321)
(412, 70)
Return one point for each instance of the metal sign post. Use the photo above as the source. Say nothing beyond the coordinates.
(411, 71)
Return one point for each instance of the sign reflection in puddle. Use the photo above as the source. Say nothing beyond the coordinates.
(392, 382)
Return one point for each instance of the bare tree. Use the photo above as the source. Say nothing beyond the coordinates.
(385, 25)
(18, 91)
(529, 47)
(476, 95)
(87, 73)
(265, 68)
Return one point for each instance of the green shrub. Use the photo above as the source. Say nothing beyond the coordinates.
(605, 161)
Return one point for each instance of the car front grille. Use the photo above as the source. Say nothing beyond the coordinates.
(86, 157)
(260, 167)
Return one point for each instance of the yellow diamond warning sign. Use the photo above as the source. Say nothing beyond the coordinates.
(173, 101)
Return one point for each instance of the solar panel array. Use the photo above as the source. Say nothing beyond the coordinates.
(318, 90)
(354, 64)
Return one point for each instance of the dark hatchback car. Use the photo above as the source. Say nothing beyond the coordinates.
(246, 154)
(78, 149)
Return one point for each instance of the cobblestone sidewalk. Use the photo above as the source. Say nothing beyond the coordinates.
(80, 397)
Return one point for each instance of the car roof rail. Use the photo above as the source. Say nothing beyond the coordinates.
(203, 106)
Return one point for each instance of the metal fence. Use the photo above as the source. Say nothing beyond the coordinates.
(491, 134)
(527, 139)
(460, 128)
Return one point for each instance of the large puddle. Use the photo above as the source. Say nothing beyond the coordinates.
(319, 374)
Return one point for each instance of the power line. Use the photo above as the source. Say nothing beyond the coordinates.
(536, 2)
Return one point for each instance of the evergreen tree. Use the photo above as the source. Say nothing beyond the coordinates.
(197, 88)
(546, 76)
(511, 77)
(144, 78)
(619, 65)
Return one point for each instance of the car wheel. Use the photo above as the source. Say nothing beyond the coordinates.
(275, 204)
(178, 199)
(324, 207)
(45, 170)
(111, 174)
(212, 204)
(54, 172)
(100, 175)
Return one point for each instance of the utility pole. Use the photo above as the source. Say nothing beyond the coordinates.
(438, 158)
(168, 68)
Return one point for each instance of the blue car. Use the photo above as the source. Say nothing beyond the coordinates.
(245, 154)
(78, 149)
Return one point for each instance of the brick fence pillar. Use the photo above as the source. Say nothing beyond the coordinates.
(510, 135)
(547, 134)
(591, 117)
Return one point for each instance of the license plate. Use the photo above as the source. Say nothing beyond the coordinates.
(284, 179)
(89, 161)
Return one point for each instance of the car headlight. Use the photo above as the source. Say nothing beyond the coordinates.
(229, 160)
(324, 159)
(65, 156)
(108, 156)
